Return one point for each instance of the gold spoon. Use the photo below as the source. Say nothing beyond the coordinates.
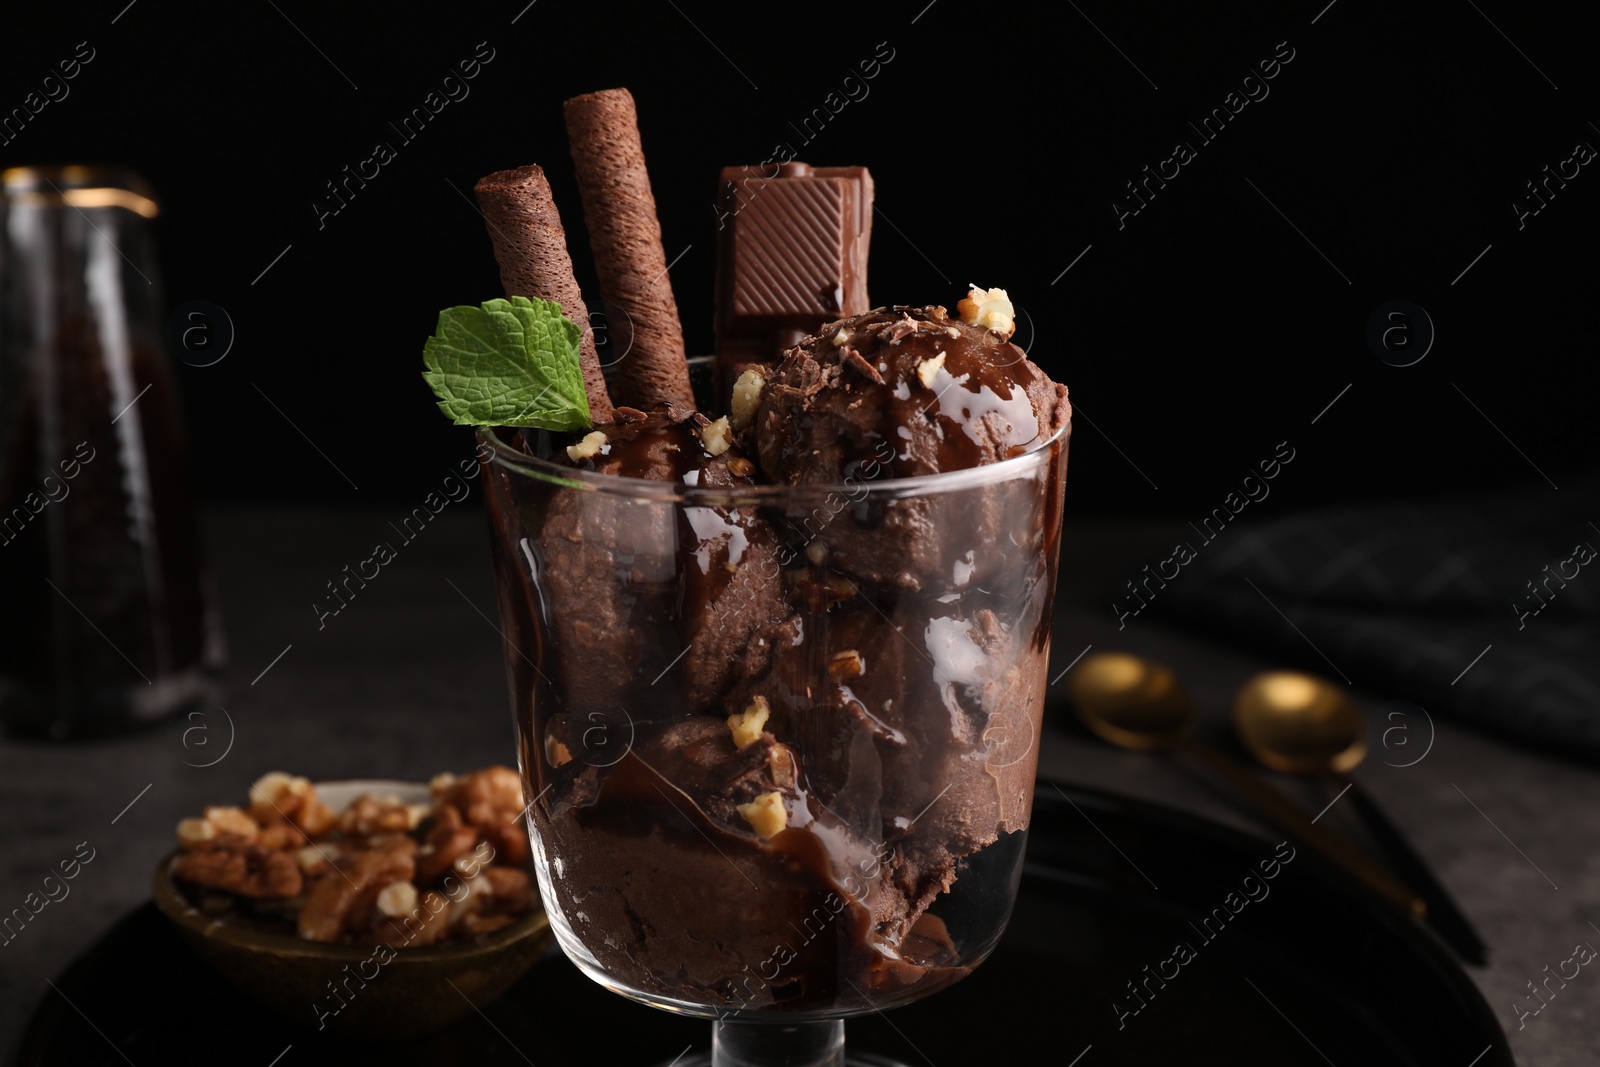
(1299, 724)
(1135, 703)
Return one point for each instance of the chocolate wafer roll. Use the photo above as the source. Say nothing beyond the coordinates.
(531, 248)
(603, 129)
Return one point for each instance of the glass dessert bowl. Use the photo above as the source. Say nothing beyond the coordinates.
(780, 739)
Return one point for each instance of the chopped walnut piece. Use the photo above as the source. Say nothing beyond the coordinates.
(448, 841)
(508, 844)
(748, 724)
(424, 924)
(785, 770)
(817, 552)
(746, 399)
(847, 664)
(397, 899)
(276, 790)
(283, 835)
(841, 338)
(740, 467)
(494, 900)
(715, 437)
(314, 818)
(989, 308)
(486, 798)
(766, 814)
(820, 592)
(469, 865)
(511, 890)
(472, 900)
(369, 815)
(231, 821)
(282, 798)
(434, 913)
(929, 369)
(587, 448)
(312, 860)
(218, 828)
(195, 834)
(841, 587)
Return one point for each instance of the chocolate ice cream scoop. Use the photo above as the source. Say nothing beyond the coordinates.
(919, 736)
(896, 393)
(612, 561)
(942, 394)
(716, 910)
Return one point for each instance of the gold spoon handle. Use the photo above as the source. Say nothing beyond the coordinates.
(1444, 914)
(1275, 807)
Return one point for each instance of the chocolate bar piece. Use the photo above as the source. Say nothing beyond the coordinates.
(791, 255)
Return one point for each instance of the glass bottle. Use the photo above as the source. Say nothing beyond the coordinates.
(104, 617)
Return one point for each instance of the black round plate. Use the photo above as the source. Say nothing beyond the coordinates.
(1302, 968)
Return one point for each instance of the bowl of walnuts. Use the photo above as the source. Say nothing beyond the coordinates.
(346, 906)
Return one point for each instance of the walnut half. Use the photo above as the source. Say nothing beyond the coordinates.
(249, 871)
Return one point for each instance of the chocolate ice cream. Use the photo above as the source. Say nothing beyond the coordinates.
(901, 392)
(610, 564)
(946, 394)
(770, 731)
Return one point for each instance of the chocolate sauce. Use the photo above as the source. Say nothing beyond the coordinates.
(900, 654)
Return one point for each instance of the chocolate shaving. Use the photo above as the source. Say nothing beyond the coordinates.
(531, 248)
(855, 361)
(900, 330)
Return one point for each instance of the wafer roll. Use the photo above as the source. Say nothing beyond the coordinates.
(603, 129)
(531, 248)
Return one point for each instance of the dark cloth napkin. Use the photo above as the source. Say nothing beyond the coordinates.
(1485, 608)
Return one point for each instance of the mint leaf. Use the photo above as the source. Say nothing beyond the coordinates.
(508, 363)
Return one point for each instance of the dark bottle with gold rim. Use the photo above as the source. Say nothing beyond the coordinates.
(104, 617)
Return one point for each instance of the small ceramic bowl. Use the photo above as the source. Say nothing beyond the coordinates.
(346, 990)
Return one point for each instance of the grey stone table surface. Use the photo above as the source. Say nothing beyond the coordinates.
(407, 680)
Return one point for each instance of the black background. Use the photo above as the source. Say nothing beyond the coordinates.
(1196, 338)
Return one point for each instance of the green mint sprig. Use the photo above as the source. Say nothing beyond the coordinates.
(508, 363)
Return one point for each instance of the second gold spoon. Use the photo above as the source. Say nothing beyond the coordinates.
(1300, 724)
(1135, 703)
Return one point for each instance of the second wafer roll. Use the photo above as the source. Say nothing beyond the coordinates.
(530, 246)
(620, 211)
